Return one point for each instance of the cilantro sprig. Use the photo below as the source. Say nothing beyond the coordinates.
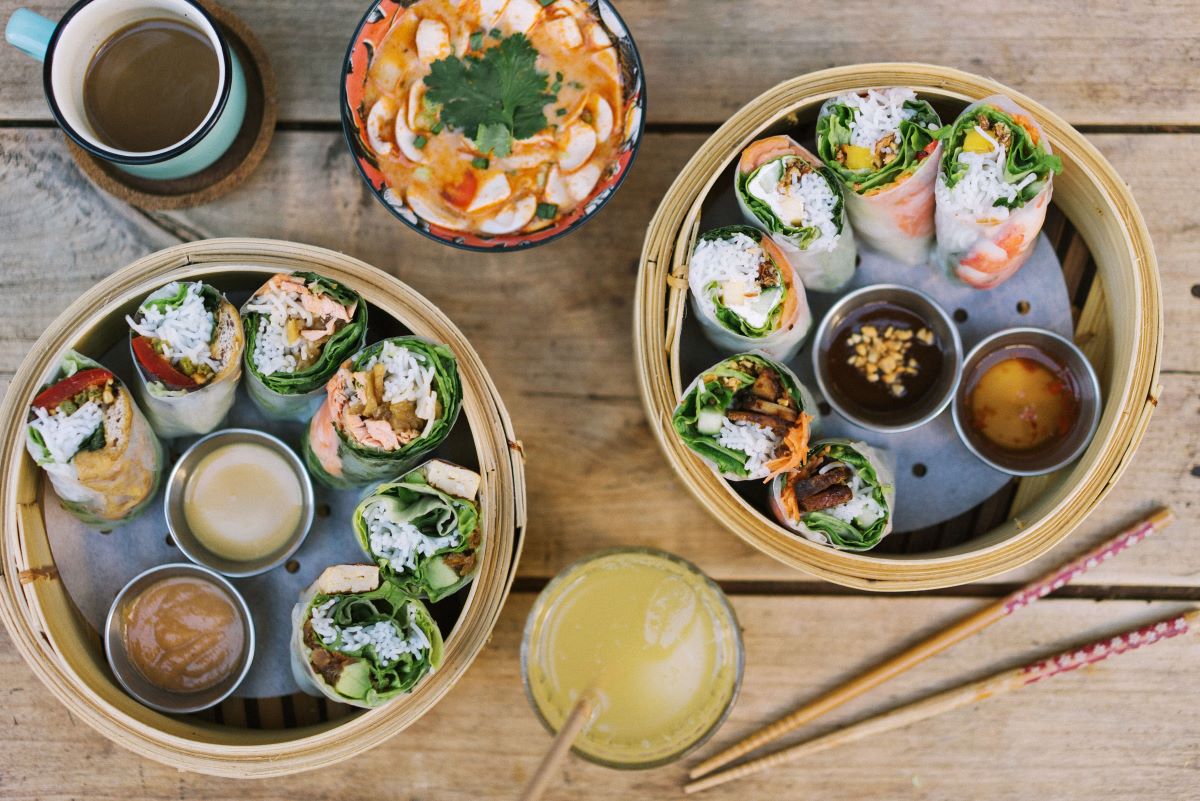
(494, 98)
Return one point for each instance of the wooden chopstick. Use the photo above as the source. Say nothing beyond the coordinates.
(996, 684)
(960, 631)
(576, 721)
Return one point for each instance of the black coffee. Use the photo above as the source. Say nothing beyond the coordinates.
(150, 85)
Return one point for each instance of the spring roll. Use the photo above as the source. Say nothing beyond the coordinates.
(786, 190)
(748, 417)
(101, 455)
(360, 641)
(422, 529)
(299, 328)
(187, 345)
(993, 189)
(882, 144)
(745, 294)
(842, 496)
(386, 407)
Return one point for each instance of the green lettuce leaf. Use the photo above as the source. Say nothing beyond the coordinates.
(802, 237)
(1024, 157)
(848, 536)
(731, 319)
(834, 130)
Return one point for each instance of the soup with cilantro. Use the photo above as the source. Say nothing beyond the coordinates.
(495, 116)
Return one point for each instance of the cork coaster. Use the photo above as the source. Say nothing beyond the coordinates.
(232, 168)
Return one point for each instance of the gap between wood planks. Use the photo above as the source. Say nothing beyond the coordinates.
(1097, 592)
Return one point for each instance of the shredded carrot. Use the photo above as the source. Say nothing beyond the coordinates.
(796, 443)
(1028, 125)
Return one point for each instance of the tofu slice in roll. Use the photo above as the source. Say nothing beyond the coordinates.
(786, 190)
(187, 345)
(745, 293)
(842, 496)
(299, 327)
(101, 456)
(748, 417)
(385, 408)
(994, 186)
(883, 146)
(422, 529)
(361, 641)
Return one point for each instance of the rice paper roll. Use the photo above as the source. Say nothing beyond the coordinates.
(299, 328)
(748, 417)
(101, 456)
(993, 189)
(385, 408)
(745, 293)
(883, 146)
(361, 641)
(187, 345)
(842, 496)
(786, 190)
(422, 529)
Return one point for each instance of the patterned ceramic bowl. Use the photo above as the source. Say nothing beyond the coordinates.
(379, 20)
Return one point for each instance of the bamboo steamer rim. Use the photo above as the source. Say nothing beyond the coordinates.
(68, 666)
(1089, 192)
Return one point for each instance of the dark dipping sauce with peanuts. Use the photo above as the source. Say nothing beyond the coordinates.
(883, 359)
(1020, 399)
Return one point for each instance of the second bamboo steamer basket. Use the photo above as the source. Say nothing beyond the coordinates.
(64, 651)
(1119, 328)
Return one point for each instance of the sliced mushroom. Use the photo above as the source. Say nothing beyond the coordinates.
(490, 11)
(520, 15)
(512, 217)
(577, 146)
(607, 60)
(570, 189)
(598, 37)
(565, 31)
(416, 96)
(381, 126)
(406, 139)
(528, 153)
(602, 117)
(430, 208)
(492, 191)
(433, 40)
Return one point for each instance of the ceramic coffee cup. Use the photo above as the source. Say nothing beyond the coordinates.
(66, 49)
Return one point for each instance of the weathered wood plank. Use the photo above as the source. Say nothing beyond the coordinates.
(1121, 730)
(553, 326)
(1094, 62)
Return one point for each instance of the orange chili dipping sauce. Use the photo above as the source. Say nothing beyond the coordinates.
(184, 634)
(1021, 399)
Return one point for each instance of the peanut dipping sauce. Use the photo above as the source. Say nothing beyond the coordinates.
(184, 634)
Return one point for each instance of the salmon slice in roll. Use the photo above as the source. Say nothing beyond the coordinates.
(100, 454)
(993, 189)
(883, 146)
(784, 189)
(745, 294)
(187, 345)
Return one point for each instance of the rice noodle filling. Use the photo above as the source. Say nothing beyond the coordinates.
(384, 637)
(983, 184)
(800, 201)
(63, 434)
(757, 442)
(401, 543)
(734, 265)
(877, 113)
(185, 331)
(407, 379)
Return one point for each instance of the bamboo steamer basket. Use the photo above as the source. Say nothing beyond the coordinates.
(65, 652)
(1119, 328)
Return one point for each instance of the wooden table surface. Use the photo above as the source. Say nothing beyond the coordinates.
(553, 327)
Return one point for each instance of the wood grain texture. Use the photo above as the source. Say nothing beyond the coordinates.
(1111, 731)
(1094, 62)
(553, 328)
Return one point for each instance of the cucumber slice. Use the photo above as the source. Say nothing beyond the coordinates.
(708, 421)
(439, 575)
(355, 680)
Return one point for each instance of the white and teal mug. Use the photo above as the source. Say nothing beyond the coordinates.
(66, 49)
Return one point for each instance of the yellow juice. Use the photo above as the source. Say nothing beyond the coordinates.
(651, 638)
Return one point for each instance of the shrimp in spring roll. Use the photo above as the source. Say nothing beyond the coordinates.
(786, 190)
(384, 409)
(187, 345)
(749, 417)
(842, 496)
(745, 293)
(299, 328)
(101, 455)
(360, 641)
(993, 189)
(882, 144)
(423, 529)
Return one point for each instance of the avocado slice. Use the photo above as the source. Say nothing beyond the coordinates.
(439, 574)
(355, 681)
